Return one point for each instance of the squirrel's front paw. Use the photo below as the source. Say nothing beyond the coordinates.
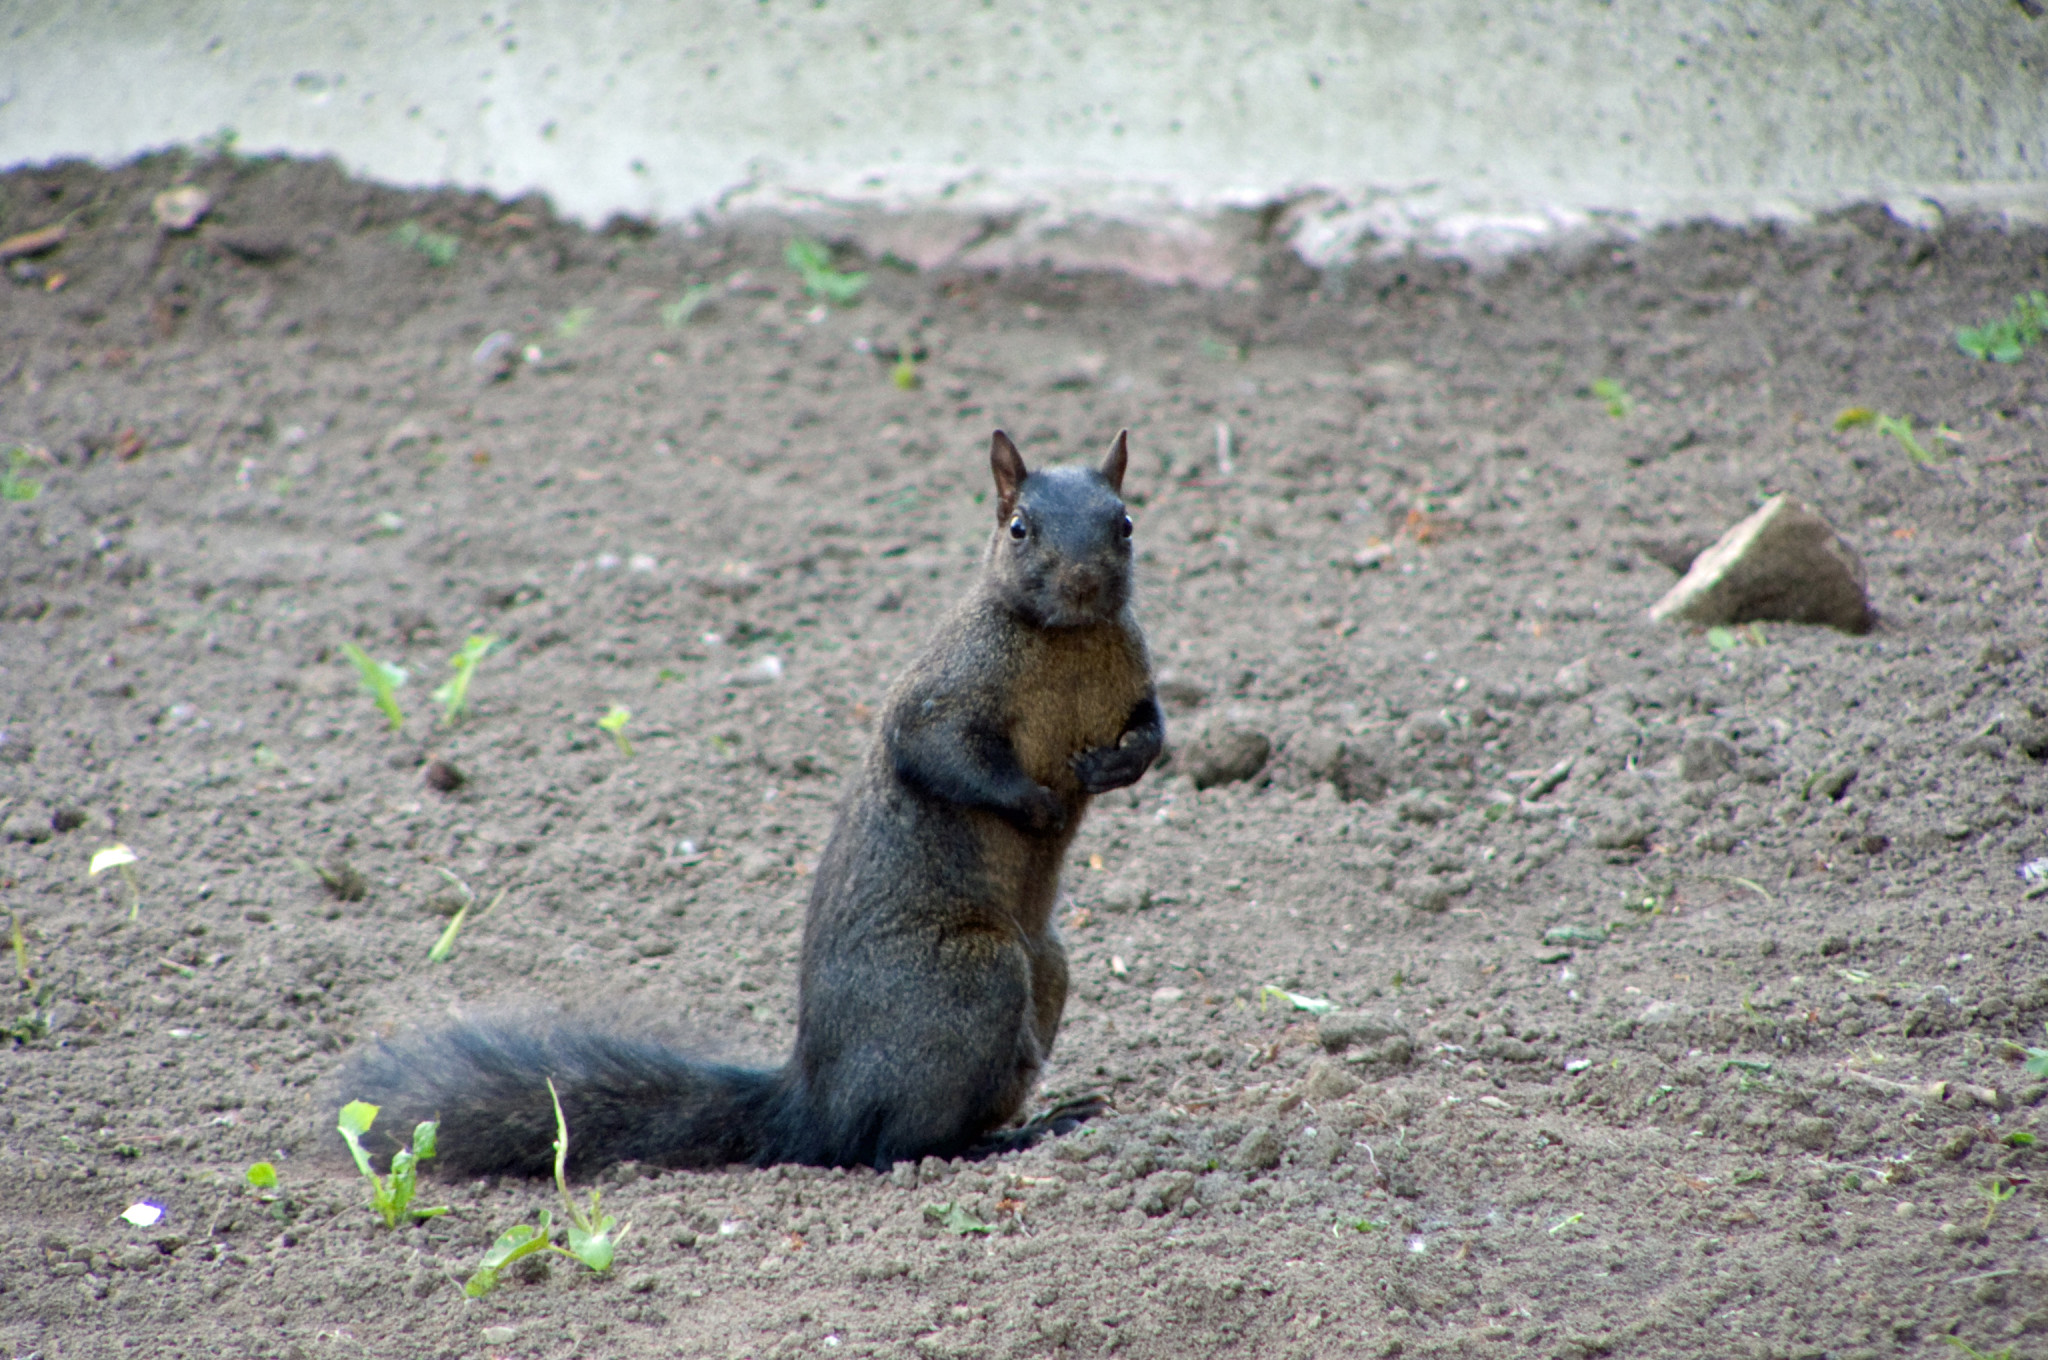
(1111, 767)
(1042, 812)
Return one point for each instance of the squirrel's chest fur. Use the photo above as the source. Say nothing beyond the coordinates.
(1073, 689)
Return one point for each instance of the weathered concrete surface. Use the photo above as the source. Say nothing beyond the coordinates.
(1459, 124)
(1784, 563)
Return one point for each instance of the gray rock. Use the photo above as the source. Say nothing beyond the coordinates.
(1319, 755)
(1784, 563)
(1425, 808)
(1260, 1150)
(1340, 1030)
(1165, 1192)
(1705, 756)
(1327, 1081)
(1425, 892)
(1125, 894)
(1225, 754)
(1813, 1134)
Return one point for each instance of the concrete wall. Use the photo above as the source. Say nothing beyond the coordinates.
(1459, 124)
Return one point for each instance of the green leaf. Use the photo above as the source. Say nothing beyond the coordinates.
(262, 1175)
(814, 262)
(356, 1118)
(955, 1218)
(521, 1239)
(1314, 1005)
(677, 314)
(593, 1248)
(424, 1138)
(2037, 1062)
(1721, 639)
(380, 679)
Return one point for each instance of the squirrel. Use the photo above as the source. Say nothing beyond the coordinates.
(932, 978)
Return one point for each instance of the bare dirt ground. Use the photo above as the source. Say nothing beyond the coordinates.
(1713, 1047)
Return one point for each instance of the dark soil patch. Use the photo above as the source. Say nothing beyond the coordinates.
(1645, 1073)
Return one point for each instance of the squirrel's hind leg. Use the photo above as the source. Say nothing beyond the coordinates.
(1060, 1120)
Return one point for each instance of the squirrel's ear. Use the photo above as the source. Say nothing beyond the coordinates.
(1008, 465)
(1119, 456)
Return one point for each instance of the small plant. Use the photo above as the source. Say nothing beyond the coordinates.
(381, 680)
(445, 946)
(261, 1175)
(437, 248)
(676, 315)
(2037, 1061)
(1967, 1349)
(35, 1023)
(2005, 339)
(614, 721)
(1618, 401)
(956, 1218)
(1899, 428)
(1996, 1191)
(453, 694)
(821, 280)
(19, 942)
(904, 372)
(121, 858)
(391, 1198)
(13, 485)
(1314, 1005)
(1728, 639)
(573, 321)
(591, 1237)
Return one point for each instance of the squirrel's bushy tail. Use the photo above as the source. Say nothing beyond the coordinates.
(624, 1099)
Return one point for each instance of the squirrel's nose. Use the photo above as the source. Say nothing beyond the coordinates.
(1081, 585)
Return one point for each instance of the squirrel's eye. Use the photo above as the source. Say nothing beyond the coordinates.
(1017, 530)
(1127, 526)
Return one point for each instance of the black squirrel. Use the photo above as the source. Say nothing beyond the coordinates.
(932, 979)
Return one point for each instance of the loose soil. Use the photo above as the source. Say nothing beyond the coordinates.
(1713, 1046)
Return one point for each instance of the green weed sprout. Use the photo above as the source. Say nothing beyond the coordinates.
(2005, 339)
(20, 945)
(445, 946)
(614, 721)
(392, 1198)
(956, 1218)
(1728, 639)
(573, 321)
(261, 1175)
(437, 248)
(821, 280)
(519, 1240)
(121, 858)
(1619, 403)
(590, 1232)
(453, 695)
(1314, 1005)
(1967, 1349)
(2036, 1064)
(591, 1237)
(904, 372)
(1898, 427)
(381, 680)
(13, 485)
(1901, 429)
(676, 315)
(1996, 1190)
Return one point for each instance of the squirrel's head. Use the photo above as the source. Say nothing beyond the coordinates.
(1061, 554)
